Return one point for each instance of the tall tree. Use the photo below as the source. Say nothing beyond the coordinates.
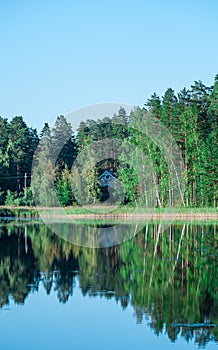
(63, 144)
(200, 98)
(154, 105)
(212, 141)
(22, 144)
(63, 187)
(4, 157)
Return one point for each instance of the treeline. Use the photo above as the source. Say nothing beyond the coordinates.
(18, 144)
(118, 145)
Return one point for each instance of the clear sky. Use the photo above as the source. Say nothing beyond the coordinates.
(57, 56)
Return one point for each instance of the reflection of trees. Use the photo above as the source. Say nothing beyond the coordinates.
(169, 278)
(15, 277)
(176, 287)
(25, 261)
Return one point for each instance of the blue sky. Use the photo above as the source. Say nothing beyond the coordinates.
(58, 56)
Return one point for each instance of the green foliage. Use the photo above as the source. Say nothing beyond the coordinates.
(2, 197)
(84, 178)
(11, 197)
(43, 182)
(19, 198)
(63, 143)
(191, 117)
(28, 197)
(63, 188)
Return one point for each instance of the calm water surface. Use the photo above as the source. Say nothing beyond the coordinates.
(157, 290)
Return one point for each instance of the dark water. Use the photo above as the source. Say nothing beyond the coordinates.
(158, 290)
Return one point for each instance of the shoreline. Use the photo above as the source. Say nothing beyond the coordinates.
(165, 214)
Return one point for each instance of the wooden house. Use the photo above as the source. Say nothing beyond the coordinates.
(107, 179)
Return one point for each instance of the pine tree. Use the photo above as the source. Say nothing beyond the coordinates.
(63, 143)
(212, 142)
(22, 144)
(83, 138)
(154, 105)
(168, 109)
(4, 156)
(200, 98)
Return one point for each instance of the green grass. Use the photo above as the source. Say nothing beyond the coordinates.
(31, 212)
(129, 210)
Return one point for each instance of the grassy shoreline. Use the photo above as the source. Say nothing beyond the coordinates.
(123, 213)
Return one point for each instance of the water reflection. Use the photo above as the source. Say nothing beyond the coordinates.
(167, 277)
(91, 235)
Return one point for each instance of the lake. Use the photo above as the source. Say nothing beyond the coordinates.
(158, 289)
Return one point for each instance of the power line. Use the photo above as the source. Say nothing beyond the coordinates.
(14, 177)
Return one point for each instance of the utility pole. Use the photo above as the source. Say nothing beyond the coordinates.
(25, 178)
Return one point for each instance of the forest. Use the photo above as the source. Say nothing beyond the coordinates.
(68, 163)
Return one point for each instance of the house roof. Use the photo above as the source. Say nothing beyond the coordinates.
(105, 173)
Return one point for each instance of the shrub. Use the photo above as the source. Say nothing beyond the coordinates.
(17, 199)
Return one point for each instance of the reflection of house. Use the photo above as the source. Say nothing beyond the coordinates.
(108, 236)
(107, 179)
